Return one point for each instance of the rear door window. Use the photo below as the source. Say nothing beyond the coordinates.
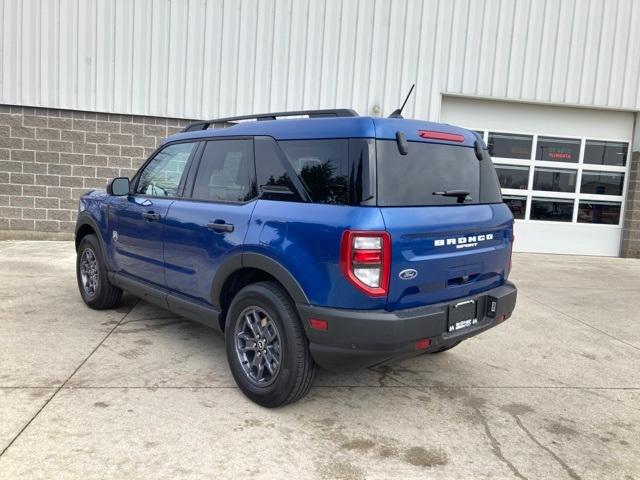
(225, 172)
(428, 169)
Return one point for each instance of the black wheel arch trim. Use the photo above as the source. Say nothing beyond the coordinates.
(85, 219)
(260, 262)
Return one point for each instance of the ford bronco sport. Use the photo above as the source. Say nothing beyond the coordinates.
(335, 240)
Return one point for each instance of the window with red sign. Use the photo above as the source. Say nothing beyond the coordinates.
(558, 149)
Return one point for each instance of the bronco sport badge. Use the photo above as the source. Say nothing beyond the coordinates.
(463, 242)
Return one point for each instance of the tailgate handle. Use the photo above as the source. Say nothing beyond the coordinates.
(462, 279)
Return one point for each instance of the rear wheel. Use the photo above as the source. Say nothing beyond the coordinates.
(267, 349)
(91, 272)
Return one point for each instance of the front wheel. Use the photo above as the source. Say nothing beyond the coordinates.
(267, 349)
(91, 272)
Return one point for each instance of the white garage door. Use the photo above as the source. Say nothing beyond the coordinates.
(563, 171)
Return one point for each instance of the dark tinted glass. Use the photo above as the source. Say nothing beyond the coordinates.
(602, 183)
(554, 180)
(599, 212)
(412, 179)
(597, 152)
(275, 176)
(322, 167)
(552, 209)
(513, 177)
(225, 172)
(558, 149)
(161, 177)
(509, 145)
(517, 205)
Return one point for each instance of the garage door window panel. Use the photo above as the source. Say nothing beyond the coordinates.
(599, 212)
(598, 152)
(517, 204)
(554, 180)
(602, 183)
(510, 145)
(553, 149)
(513, 176)
(551, 209)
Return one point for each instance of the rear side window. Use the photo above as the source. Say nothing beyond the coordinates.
(429, 169)
(322, 166)
(275, 177)
(225, 172)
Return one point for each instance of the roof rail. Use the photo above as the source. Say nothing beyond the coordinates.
(228, 121)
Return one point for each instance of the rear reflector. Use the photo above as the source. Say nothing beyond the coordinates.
(318, 324)
(422, 344)
(449, 137)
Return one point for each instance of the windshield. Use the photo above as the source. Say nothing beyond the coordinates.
(434, 174)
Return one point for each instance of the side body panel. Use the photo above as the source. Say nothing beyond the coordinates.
(193, 253)
(138, 250)
(305, 239)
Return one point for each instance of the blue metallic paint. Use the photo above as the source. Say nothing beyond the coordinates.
(192, 252)
(180, 253)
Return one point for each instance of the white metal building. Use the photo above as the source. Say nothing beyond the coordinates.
(553, 85)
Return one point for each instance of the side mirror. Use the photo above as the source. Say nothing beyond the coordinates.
(118, 187)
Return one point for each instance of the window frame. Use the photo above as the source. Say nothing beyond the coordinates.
(183, 179)
(191, 181)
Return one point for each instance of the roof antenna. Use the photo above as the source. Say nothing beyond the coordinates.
(398, 112)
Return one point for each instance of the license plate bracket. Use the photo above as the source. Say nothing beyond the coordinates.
(462, 315)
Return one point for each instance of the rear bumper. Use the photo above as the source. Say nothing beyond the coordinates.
(362, 338)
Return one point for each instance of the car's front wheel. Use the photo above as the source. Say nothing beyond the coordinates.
(96, 290)
(267, 349)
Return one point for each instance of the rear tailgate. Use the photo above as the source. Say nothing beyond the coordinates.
(441, 253)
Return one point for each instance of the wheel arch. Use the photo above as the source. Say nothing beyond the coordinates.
(243, 269)
(86, 226)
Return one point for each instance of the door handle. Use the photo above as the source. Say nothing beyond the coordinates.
(220, 226)
(151, 216)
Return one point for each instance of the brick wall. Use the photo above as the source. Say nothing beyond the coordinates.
(49, 157)
(631, 231)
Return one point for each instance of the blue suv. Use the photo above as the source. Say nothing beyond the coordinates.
(328, 239)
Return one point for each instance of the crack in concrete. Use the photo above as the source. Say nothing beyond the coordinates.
(570, 471)
(4, 450)
(495, 444)
(386, 372)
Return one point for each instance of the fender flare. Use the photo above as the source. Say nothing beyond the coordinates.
(85, 219)
(260, 262)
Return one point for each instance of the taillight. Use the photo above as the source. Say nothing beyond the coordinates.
(365, 259)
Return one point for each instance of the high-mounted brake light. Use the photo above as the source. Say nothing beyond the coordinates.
(365, 259)
(449, 137)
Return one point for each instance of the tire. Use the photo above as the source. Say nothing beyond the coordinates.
(445, 348)
(101, 294)
(263, 326)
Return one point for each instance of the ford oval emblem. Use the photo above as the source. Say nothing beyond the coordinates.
(408, 274)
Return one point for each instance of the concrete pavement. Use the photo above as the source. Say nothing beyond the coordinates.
(140, 393)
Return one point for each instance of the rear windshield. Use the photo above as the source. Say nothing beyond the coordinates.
(429, 169)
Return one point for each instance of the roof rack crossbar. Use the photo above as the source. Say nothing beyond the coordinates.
(205, 124)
